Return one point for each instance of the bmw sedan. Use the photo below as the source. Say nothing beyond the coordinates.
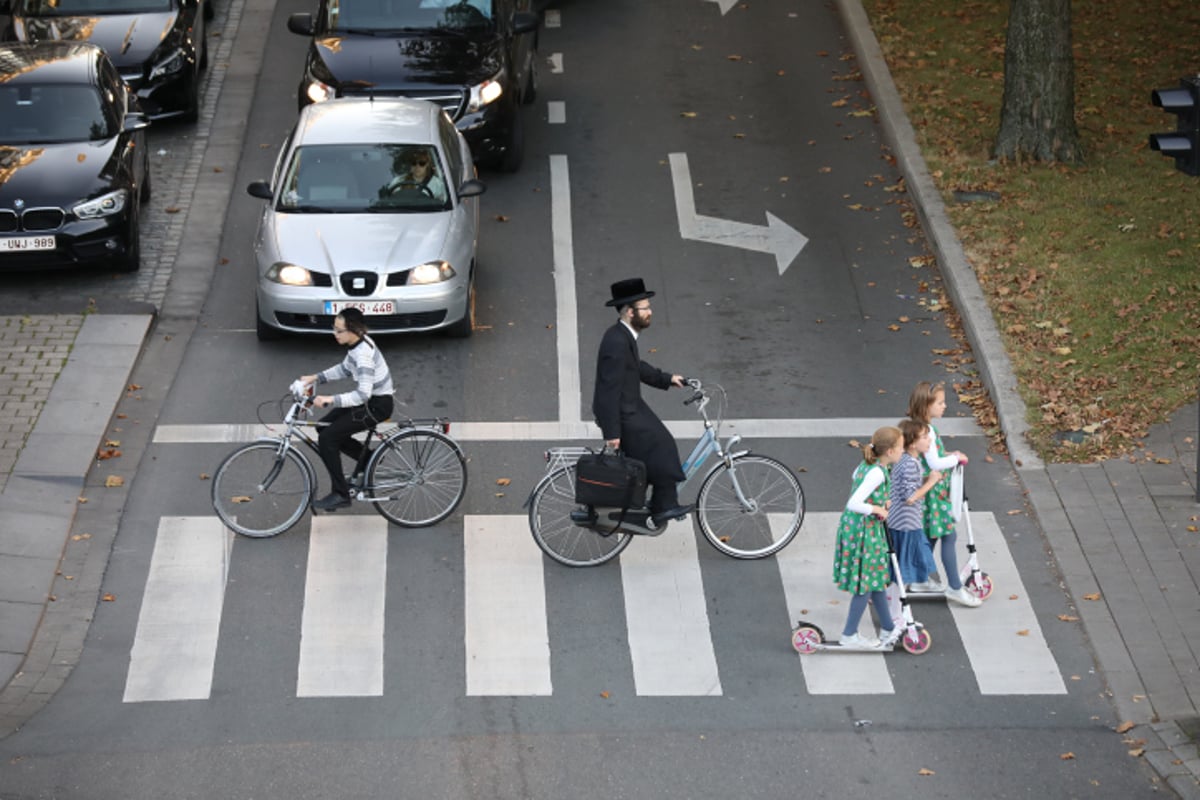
(372, 205)
(158, 46)
(74, 167)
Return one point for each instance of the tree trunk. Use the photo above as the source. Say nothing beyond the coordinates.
(1037, 120)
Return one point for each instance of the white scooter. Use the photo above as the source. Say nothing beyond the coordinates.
(975, 580)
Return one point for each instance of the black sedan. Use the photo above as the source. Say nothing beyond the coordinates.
(158, 46)
(74, 167)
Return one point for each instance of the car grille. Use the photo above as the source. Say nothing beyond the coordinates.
(453, 102)
(358, 284)
(31, 219)
(376, 322)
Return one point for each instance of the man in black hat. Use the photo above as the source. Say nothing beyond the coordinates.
(624, 418)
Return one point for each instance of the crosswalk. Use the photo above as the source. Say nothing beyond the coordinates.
(507, 639)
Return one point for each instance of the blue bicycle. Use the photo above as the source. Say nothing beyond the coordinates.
(749, 505)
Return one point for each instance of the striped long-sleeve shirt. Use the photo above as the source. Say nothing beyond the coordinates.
(365, 366)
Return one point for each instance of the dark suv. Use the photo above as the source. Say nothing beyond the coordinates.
(475, 59)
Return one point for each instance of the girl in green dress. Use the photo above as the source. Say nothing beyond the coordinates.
(927, 403)
(860, 561)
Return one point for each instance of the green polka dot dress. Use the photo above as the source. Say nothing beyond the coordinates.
(938, 522)
(860, 560)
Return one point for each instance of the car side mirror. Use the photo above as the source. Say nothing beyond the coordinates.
(471, 188)
(525, 22)
(301, 23)
(134, 120)
(261, 190)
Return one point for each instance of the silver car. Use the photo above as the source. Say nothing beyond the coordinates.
(372, 205)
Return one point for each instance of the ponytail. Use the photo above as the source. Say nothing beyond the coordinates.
(883, 440)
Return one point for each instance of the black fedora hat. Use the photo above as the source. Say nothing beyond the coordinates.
(628, 291)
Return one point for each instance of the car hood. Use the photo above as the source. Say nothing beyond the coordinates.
(129, 39)
(388, 63)
(337, 243)
(54, 174)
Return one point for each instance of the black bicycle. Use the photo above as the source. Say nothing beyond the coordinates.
(415, 475)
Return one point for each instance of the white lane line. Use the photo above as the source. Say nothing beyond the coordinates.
(666, 616)
(507, 642)
(552, 18)
(806, 567)
(1004, 660)
(556, 112)
(341, 631)
(834, 428)
(564, 291)
(555, 60)
(175, 646)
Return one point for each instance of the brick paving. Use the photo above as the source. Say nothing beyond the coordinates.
(33, 350)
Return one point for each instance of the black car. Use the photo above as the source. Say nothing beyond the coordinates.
(476, 59)
(158, 46)
(74, 167)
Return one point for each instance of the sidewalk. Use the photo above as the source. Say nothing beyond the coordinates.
(1118, 530)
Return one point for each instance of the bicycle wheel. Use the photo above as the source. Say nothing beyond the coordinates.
(776, 507)
(257, 492)
(550, 508)
(417, 477)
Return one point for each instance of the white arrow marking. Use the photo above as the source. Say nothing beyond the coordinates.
(724, 5)
(777, 237)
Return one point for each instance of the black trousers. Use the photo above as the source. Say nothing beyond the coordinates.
(644, 437)
(337, 436)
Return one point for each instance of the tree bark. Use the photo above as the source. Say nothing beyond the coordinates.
(1037, 119)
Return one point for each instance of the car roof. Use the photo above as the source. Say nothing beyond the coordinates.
(48, 62)
(392, 120)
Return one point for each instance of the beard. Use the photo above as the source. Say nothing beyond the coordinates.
(639, 322)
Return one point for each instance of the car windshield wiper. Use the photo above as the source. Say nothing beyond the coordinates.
(309, 209)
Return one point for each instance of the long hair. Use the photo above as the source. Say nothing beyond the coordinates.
(922, 397)
(354, 321)
(882, 440)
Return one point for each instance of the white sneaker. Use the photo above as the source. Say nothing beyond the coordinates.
(858, 642)
(889, 638)
(933, 586)
(963, 597)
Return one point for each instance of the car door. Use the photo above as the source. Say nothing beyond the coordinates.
(521, 47)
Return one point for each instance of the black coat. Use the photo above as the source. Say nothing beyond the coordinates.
(622, 414)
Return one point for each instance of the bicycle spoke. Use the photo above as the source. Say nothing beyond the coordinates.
(774, 515)
(418, 478)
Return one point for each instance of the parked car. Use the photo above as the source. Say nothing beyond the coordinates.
(372, 205)
(158, 46)
(74, 166)
(476, 59)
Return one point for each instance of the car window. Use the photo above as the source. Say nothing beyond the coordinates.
(450, 147)
(349, 16)
(51, 114)
(86, 8)
(363, 178)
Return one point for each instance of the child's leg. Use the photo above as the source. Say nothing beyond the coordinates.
(879, 600)
(950, 560)
(858, 604)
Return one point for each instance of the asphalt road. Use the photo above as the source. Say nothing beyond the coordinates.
(754, 99)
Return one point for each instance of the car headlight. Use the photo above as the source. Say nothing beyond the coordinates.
(289, 274)
(430, 272)
(486, 93)
(319, 92)
(103, 206)
(173, 63)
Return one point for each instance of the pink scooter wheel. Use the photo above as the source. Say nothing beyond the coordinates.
(921, 644)
(805, 640)
(980, 585)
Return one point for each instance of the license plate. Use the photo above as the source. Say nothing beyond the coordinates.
(335, 307)
(21, 244)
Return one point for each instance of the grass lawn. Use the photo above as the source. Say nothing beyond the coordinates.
(1092, 271)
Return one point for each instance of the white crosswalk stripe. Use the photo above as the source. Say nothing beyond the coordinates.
(508, 642)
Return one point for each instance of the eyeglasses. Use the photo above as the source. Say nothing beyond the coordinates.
(643, 308)
(420, 162)
(336, 329)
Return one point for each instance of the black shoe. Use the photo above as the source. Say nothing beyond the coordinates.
(661, 518)
(331, 502)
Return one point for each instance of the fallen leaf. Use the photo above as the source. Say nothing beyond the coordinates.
(925, 771)
(1068, 618)
(108, 597)
(240, 498)
(688, 114)
(503, 481)
(1125, 727)
(1013, 512)
(604, 695)
(500, 218)
(113, 481)
(1013, 597)
(112, 443)
(133, 387)
(1137, 752)
(204, 476)
(1092, 596)
(172, 209)
(1024, 632)
(1067, 756)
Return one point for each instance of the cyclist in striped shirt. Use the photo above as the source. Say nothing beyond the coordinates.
(369, 401)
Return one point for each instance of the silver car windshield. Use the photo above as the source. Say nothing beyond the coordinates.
(375, 16)
(363, 178)
(48, 114)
